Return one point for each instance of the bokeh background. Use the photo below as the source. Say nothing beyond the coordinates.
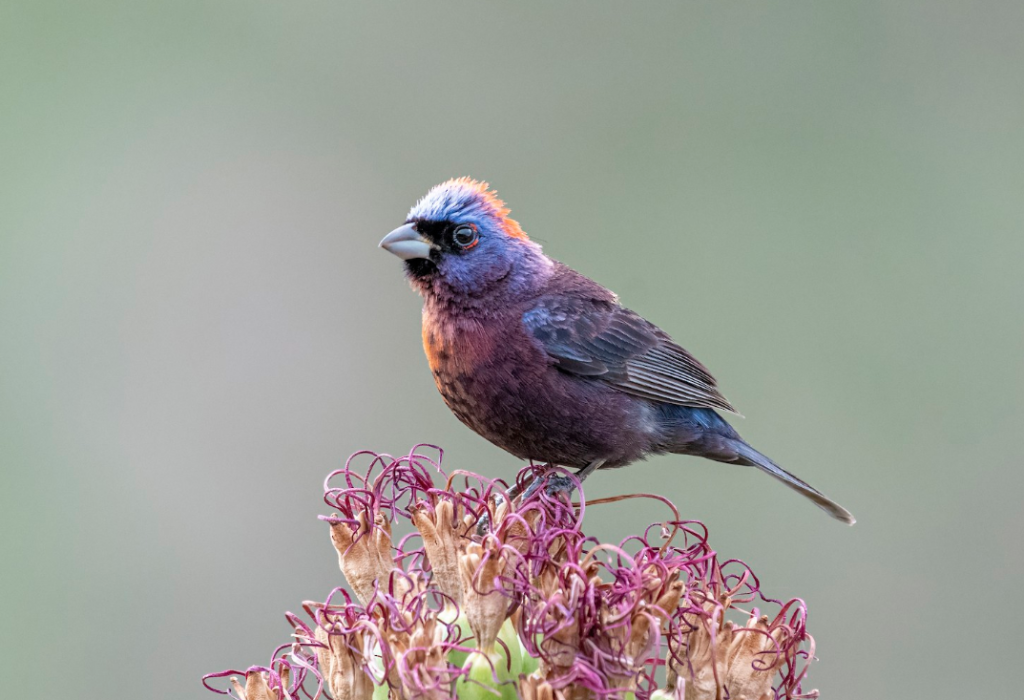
(823, 201)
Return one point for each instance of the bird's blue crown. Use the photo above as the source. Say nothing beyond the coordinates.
(464, 200)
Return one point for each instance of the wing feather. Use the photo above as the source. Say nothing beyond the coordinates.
(598, 339)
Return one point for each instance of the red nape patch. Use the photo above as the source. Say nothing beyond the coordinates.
(510, 226)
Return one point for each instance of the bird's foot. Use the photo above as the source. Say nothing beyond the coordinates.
(554, 484)
(516, 493)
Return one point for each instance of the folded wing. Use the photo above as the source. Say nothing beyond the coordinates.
(601, 340)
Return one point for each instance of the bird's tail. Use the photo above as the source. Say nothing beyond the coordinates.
(756, 459)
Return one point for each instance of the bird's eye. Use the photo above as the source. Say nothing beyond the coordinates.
(465, 236)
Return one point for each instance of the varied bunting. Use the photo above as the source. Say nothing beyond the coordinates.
(544, 362)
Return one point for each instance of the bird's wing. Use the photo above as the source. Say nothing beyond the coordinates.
(601, 340)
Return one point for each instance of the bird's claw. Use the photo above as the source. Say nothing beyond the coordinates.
(554, 484)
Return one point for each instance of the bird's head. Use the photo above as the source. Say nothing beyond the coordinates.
(459, 240)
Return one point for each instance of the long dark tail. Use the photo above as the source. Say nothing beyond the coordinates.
(756, 459)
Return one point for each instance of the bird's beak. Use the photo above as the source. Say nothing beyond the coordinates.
(406, 243)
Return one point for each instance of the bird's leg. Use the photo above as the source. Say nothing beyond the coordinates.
(555, 484)
(513, 493)
(589, 469)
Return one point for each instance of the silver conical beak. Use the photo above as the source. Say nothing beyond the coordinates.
(406, 242)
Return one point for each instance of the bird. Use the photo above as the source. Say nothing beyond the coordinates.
(546, 363)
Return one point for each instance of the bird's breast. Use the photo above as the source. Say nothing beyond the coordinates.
(497, 381)
(455, 347)
(477, 367)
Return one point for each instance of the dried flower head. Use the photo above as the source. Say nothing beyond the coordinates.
(492, 596)
(345, 640)
(485, 600)
(364, 551)
(289, 670)
(444, 535)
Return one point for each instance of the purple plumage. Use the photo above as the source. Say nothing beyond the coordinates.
(544, 362)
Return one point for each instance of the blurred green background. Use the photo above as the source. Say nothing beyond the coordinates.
(823, 201)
